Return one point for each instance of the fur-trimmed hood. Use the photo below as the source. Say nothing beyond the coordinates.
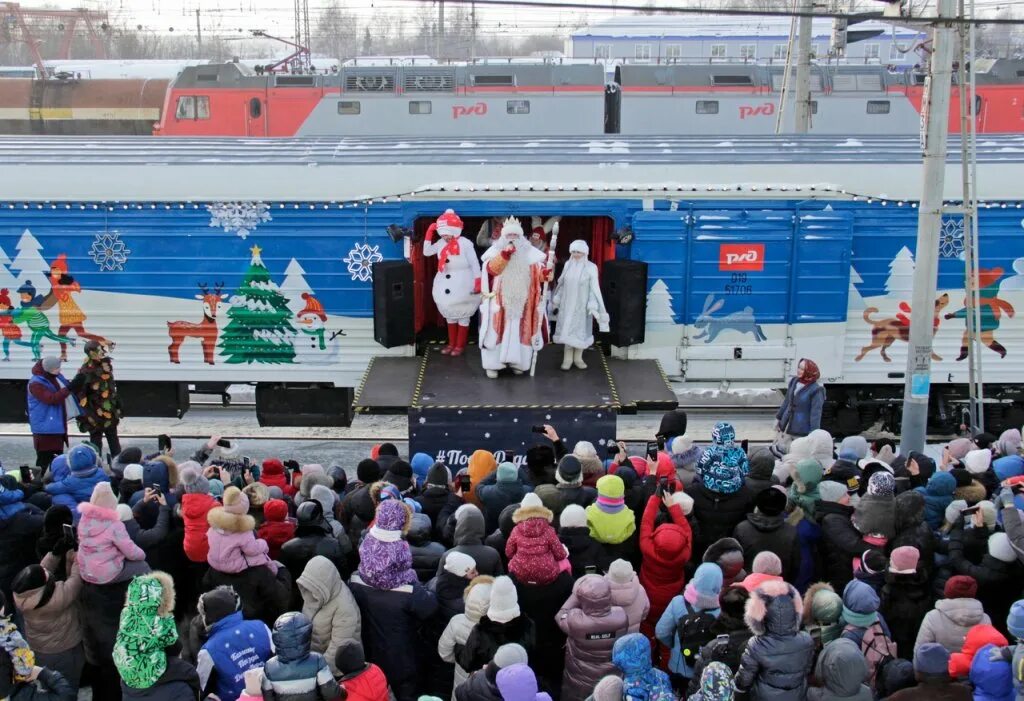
(527, 512)
(230, 523)
(775, 608)
(972, 493)
(812, 591)
(172, 469)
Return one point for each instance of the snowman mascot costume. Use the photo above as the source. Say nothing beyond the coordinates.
(457, 283)
(578, 301)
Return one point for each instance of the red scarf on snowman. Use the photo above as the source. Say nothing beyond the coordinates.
(450, 224)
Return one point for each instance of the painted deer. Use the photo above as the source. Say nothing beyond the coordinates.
(206, 330)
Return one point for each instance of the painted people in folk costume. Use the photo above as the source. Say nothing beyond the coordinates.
(30, 315)
(579, 302)
(512, 322)
(70, 315)
(457, 283)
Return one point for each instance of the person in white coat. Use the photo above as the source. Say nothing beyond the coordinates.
(477, 598)
(457, 283)
(579, 302)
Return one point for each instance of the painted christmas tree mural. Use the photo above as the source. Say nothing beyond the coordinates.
(855, 300)
(900, 282)
(7, 280)
(259, 329)
(294, 285)
(30, 265)
(659, 305)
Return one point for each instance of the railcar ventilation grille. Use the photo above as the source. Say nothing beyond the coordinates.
(370, 82)
(428, 82)
(494, 80)
(295, 80)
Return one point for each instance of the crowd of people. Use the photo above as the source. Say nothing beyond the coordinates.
(807, 570)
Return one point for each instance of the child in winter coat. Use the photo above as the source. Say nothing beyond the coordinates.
(841, 670)
(574, 533)
(329, 605)
(778, 658)
(196, 503)
(803, 493)
(76, 487)
(977, 637)
(611, 521)
(276, 529)
(931, 669)
(105, 551)
(628, 593)
(145, 631)
(632, 655)
(699, 596)
(534, 550)
(666, 549)
(991, 676)
(822, 609)
(456, 633)
(233, 546)
(17, 660)
(864, 626)
(296, 673)
(361, 680)
(938, 494)
(715, 684)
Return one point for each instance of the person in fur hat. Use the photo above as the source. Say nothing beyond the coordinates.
(234, 546)
(534, 550)
(822, 611)
(456, 287)
(476, 598)
(145, 632)
(276, 529)
(106, 553)
(778, 659)
(579, 303)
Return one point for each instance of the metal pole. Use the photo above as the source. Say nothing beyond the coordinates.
(935, 123)
(784, 93)
(199, 35)
(802, 112)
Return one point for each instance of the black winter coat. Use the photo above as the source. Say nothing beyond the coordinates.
(583, 551)
(18, 536)
(439, 503)
(759, 532)
(717, 515)
(391, 619)
(357, 512)
(495, 496)
(51, 686)
(998, 581)
(905, 600)
(481, 686)
(468, 536)
(179, 682)
(310, 541)
(100, 610)
(777, 661)
(912, 529)
(264, 596)
(840, 543)
(731, 637)
(487, 636)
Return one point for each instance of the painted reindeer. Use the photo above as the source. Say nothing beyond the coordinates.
(206, 330)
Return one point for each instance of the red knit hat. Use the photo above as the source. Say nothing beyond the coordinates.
(275, 510)
(960, 586)
(313, 306)
(273, 466)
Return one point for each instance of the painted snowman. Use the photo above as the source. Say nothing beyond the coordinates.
(312, 344)
(457, 283)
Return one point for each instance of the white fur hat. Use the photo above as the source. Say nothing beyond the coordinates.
(133, 472)
(978, 461)
(124, 512)
(529, 500)
(584, 449)
(999, 547)
(685, 502)
(621, 572)
(504, 605)
(459, 563)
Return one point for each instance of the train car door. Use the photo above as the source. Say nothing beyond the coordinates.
(738, 295)
(256, 116)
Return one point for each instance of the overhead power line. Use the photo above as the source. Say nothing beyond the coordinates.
(726, 12)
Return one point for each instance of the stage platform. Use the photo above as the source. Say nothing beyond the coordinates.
(453, 408)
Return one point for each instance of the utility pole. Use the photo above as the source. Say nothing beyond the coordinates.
(440, 27)
(199, 35)
(935, 130)
(802, 113)
(472, 24)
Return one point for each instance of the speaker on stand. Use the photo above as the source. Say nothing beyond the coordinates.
(393, 309)
(624, 287)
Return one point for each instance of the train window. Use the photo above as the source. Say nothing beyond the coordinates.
(494, 80)
(814, 107)
(420, 106)
(348, 107)
(255, 108)
(517, 106)
(707, 106)
(202, 107)
(878, 107)
(186, 108)
(732, 80)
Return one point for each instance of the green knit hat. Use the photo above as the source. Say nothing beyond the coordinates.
(827, 606)
(611, 487)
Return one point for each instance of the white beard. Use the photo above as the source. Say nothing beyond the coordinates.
(516, 279)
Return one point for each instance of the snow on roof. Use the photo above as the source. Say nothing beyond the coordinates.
(696, 26)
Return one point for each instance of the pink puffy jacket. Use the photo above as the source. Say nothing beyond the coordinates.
(103, 544)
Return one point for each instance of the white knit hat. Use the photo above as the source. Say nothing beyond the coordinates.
(530, 500)
(683, 500)
(621, 572)
(573, 516)
(124, 512)
(504, 605)
(584, 449)
(978, 461)
(459, 563)
(999, 547)
(510, 654)
(133, 472)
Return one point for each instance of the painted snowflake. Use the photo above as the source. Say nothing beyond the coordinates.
(951, 240)
(109, 252)
(240, 218)
(360, 261)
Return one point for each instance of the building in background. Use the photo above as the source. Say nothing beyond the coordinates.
(689, 38)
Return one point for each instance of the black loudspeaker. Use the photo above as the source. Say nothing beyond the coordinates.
(624, 287)
(393, 312)
(13, 402)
